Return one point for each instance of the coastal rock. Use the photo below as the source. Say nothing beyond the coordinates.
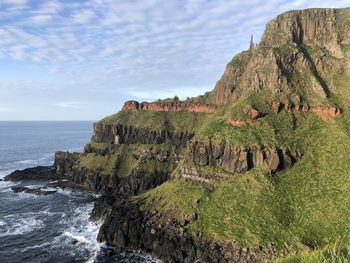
(35, 173)
(286, 49)
(127, 226)
(35, 191)
(64, 162)
(174, 105)
(237, 159)
(107, 132)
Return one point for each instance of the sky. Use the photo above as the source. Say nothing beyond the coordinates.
(81, 59)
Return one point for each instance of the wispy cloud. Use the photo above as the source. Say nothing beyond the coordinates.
(125, 48)
(71, 104)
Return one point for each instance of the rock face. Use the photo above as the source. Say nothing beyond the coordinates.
(311, 26)
(35, 173)
(36, 191)
(236, 159)
(325, 113)
(284, 52)
(119, 134)
(177, 106)
(125, 227)
(64, 162)
(239, 123)
(252, 113)
(138, 181)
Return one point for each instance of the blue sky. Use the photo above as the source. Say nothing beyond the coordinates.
(80, 60)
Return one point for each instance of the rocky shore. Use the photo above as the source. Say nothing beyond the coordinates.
(126, 224)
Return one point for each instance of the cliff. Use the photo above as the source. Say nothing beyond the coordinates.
(176, 106)
(299, 54)
(120, 134)
(256, 169)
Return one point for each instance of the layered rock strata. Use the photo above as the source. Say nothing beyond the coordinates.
(177, 106)
(114, 133)
(325, 113)
(238, 159)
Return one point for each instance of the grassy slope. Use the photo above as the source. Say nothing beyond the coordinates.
(176, 121)
(305, 206)
(302, 208)
(121, 159)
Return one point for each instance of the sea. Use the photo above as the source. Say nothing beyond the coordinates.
(55, 227)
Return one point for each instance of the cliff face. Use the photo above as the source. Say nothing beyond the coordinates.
(120, 134)
(288, 50)
(176, 106)
(242, 173)
(237, 159)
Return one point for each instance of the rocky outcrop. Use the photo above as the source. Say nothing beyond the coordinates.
(239, 123)
(325, 113)
(64, 163)
(35, 191)
(252, 113)
(285, 60)
(61, 169)
(35, 173)
(153, 153)
(138, 181)
(127, 226)
(238, 159)
(311, 26)
(114, 133)
(67, 166)
(208, 179)
(175, 105)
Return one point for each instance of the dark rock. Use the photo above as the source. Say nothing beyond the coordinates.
(35, 173)
(126, 226)
(273, 162)
(36, 191)
(107, 132)
(237, 159)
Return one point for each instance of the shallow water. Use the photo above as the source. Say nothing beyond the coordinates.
(52, 228)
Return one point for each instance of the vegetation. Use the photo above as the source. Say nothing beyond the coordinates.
(304, 210)
(159, 120)
(302, 207)
(104, 164)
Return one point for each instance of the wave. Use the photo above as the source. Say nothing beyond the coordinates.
(5, 172)
(6, 185)
(19, 226)
(36, 246)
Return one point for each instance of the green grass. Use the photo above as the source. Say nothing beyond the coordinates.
(159, 120)
(177, 197)
(122, 160)
(306, 206)
(103, 164)
(304, 210)
(334, 253)
(283, 130)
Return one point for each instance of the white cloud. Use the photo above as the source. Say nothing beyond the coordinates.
(70, 104)
(40, 19)
(136, 48)
(13, 2)
(83, 16)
